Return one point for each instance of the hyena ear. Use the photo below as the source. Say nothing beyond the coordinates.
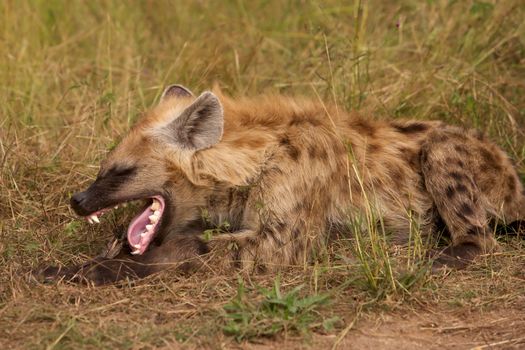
(175, 90)
(200, 125)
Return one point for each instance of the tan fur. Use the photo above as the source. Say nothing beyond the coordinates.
(288, 169)
(295, 155)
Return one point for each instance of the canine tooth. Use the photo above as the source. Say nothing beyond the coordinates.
(135, 252)
(153, 218)
(136, 245)
(149, 227)
(90, 220)
(155, 205)
(95, 219)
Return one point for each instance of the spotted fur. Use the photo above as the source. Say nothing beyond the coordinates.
(281, 171)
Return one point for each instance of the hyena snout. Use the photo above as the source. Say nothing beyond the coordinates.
(78, 202)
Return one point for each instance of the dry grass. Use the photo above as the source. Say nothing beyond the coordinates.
(75, 75)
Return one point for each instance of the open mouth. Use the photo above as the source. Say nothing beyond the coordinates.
(142, 228)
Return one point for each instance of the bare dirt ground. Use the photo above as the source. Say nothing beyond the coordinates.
(424, 329)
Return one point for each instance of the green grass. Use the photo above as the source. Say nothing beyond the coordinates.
(75, 75)
(275, 313)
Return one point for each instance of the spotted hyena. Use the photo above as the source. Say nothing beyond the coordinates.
(277, 174)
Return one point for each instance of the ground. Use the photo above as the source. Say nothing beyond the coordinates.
(75, 75)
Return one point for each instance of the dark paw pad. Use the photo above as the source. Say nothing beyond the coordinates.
(456, 257)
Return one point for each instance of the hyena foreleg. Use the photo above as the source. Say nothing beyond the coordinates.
(182, 253)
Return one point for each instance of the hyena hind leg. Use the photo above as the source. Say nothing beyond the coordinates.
(459, 201)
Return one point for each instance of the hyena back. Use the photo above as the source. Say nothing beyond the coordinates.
(277, 173)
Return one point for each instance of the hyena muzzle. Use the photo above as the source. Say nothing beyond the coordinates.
(273, 175)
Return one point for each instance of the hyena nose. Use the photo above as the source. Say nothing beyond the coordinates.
(76, 202)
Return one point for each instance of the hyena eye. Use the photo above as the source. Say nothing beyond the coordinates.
(119, 171)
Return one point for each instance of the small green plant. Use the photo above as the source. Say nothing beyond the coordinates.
(247, 318)
(223, 227)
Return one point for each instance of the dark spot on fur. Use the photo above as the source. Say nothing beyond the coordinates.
(511, 181)
(413, 159)
(461, 149)
(457, 176)
(363, 127)
(298, 208)
(489, 159)
(450, 192)
(316, 152)
(411, 128)
(292, 150)
(424, 158)
(280, 226)
(299, 119)
(296, 234)
(312, 151)
(397, 174)
(466, 209)
(461, 188)
(439, 137)
(374, 148)
(508, 198)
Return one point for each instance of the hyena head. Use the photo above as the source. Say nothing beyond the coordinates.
(153, 162)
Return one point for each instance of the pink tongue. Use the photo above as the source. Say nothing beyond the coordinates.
(139, 243)
(138, 225)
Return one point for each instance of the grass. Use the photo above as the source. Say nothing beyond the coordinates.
(275, 313)
(74, 77)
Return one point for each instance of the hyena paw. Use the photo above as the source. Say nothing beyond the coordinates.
(456, 257)
(51, 274)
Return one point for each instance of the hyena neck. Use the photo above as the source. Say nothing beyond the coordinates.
(229, 163)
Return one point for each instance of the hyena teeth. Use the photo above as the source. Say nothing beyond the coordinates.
(135, 252)
(95, 218)
(143, 234)
(153, 218)
(115, 207)
(149, 227)
(136, 245)
(156, 205)
(90, 220)
(156, 213)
